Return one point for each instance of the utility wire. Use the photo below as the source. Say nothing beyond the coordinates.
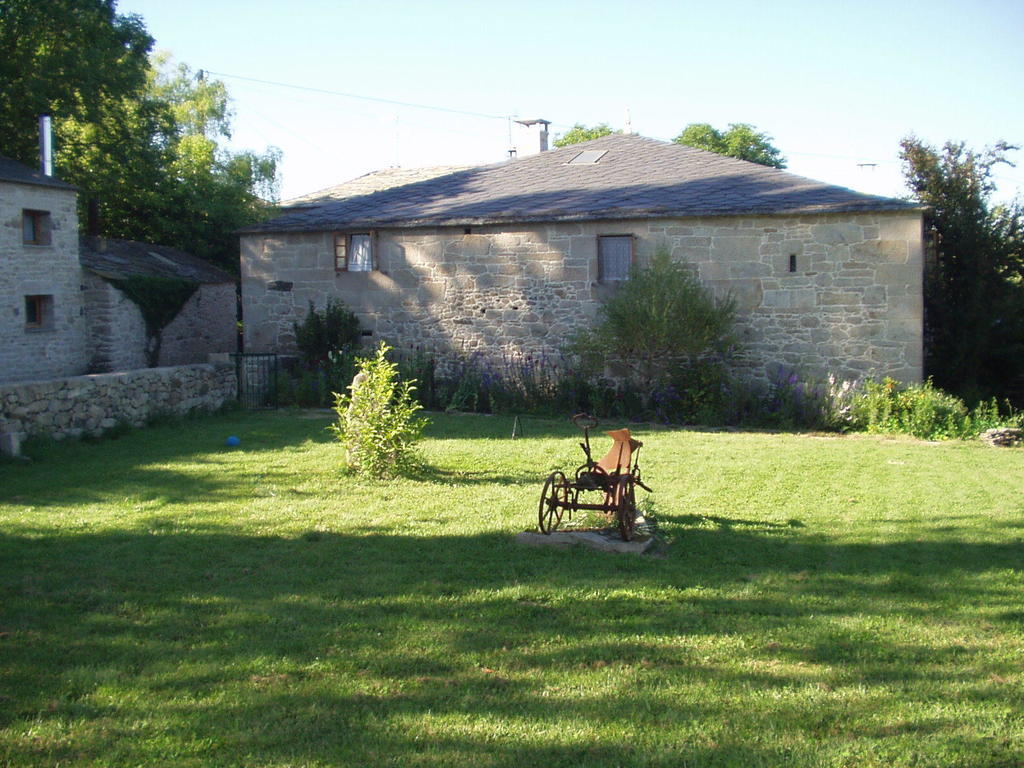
(360, 96)
(378, 99)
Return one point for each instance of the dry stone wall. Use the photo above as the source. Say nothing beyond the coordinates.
(89, 405)
(820, 294)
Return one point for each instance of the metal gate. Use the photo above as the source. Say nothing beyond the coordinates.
(256, 374)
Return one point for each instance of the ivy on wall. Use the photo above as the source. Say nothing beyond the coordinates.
(159, 299)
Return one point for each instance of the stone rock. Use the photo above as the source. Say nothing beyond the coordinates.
(601, 541)
(1003, 437)
(10, 443)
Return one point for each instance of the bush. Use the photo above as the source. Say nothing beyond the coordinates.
(334, 329)
(376, 419)
(660, 324)
(923, 411)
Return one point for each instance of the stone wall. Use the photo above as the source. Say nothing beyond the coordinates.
(207, 324)
(117, 332)
(822, 294)
(88, 405)
(58, 347)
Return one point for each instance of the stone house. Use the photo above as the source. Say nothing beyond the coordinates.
(42, 312)
(59, 315)
(512, 258)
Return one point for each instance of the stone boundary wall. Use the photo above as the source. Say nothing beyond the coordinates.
(89, 405)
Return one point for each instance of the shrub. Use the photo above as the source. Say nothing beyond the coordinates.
(792, 402)
(923, 411)
(421, 367)
(377, 420)
(657, 324)
(334, 329)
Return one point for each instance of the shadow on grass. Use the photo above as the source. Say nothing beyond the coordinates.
(442, 476)
(729, 523)
(366, 649)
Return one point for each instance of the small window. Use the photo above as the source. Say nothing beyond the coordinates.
(38, 312)
(35, 227)
(354, 253)
(614, 257)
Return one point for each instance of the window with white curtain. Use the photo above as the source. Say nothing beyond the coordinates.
(614, 257)
(353, 253)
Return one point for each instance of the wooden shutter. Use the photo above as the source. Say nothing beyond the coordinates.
(341, 253)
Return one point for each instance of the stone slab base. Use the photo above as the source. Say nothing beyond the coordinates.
(603, 542)
(10, 443)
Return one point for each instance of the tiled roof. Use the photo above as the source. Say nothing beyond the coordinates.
(119, 259)
(635, 177)
(371, 182)
(12, 170)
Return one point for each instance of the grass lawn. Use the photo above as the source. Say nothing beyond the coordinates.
(819, 601)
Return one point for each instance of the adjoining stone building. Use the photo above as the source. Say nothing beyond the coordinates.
(512, 258)
(207, 323)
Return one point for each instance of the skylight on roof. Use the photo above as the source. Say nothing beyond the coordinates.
(588, 157)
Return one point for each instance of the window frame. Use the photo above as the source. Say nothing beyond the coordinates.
(601, 277)
(38, 312)
(343, 250)
(40, 224)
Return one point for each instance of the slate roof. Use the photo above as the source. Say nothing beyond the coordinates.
(371, 182)
(12, 170)
(119, 259)
(636, 177)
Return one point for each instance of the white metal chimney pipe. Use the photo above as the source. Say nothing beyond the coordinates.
(45, 145)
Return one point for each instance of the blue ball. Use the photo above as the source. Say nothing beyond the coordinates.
(232, 441)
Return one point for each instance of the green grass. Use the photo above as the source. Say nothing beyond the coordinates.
(818, 601)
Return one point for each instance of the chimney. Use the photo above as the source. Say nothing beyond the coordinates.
(45, 146)
(533, 137)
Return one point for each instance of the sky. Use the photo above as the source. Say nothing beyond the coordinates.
(835, 83)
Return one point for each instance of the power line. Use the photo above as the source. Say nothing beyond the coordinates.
(377, 99)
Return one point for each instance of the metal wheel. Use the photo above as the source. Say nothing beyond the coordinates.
(554, 500)
(625, 512)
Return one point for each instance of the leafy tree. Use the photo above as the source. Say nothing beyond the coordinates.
(659, 322)
(155, 164)
(142, 137)
(741, 140)
(67, 58)
(974, 281)
(580, 133)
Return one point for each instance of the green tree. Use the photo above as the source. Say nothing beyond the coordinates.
(67, 58)
(741, 141)
(659, 322)
(156, 165)
(142, 137)
(974, 280)
(580, 132)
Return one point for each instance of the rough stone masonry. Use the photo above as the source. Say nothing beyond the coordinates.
(821, 294)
